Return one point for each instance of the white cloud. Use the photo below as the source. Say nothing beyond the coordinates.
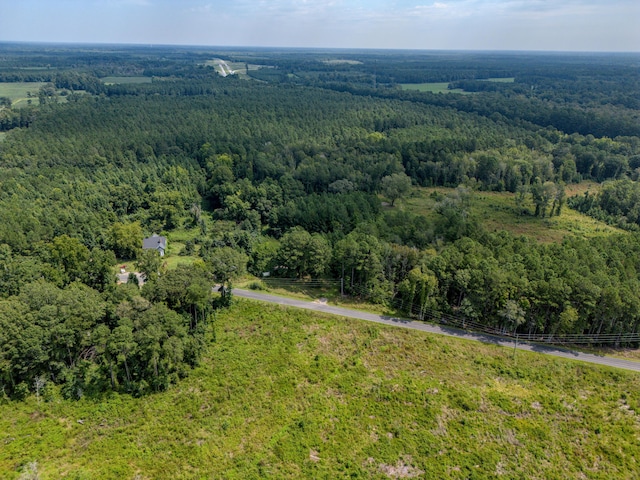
(440, 10)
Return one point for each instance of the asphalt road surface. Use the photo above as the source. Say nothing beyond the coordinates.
(439, 330)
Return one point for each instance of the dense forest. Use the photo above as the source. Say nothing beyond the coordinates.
(294, 168)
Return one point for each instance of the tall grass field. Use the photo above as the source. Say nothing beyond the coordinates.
(289, 394)
(498, 211)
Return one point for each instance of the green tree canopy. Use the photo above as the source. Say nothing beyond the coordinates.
(395, 186)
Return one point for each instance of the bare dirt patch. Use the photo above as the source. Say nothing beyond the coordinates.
(402, 468)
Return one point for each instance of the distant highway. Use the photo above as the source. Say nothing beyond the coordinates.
(439, 330)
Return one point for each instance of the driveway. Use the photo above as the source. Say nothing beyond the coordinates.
(123, 277)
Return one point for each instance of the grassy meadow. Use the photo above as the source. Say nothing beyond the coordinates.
(341, 61)
(498, 211)
(436, 87)
(443, 87)
(176, 241)
(18, 92)
(293, 394)
(501, 79)
(125, 80)
(238, 68)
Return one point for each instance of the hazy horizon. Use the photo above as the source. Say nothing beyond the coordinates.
(319, 49)
(460, 25)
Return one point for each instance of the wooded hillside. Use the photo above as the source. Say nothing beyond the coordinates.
(301, 172)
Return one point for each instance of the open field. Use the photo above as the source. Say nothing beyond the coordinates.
(242, 69)
(125, 80)
(238, 68)
(498, 211)
(18, 92)
(341, 61)
(174, 259)
(288, 394)
(501, 80)
(441, 87)
(222, 67)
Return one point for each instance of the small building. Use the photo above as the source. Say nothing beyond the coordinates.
(155, 242)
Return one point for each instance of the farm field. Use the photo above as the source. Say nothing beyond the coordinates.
(501, 79)
(243, 69)
(498, 211)
(18, 92)
(125, 80)
(341, 61)
(439, 87)
(288, 394)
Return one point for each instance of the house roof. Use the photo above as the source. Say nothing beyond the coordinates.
(155, 242)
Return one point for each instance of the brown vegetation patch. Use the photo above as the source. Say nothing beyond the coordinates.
(402, 469)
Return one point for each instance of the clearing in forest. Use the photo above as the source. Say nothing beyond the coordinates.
(500, 79)
(21, 92)
(498, 211)
(432, 87)
(341, 61)
(125, 80)
(225, 68)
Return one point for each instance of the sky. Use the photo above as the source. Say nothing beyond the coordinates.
(548, 25)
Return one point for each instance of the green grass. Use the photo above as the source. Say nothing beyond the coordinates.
(173, 260)
(439, 87)
(2, 135)
(341, 61)
(17, 92)
(125, 80)
(298, 290)
(443, 87)
(501, 79)
(294, 394)
(497, 211)
(176, 240)
(236, 67)
(239, 68)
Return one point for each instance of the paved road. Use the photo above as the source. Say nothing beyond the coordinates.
(440, 330)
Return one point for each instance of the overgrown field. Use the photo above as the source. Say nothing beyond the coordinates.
(291, 394)
(498, 211)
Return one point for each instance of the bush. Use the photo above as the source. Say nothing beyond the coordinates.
(256, 285)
